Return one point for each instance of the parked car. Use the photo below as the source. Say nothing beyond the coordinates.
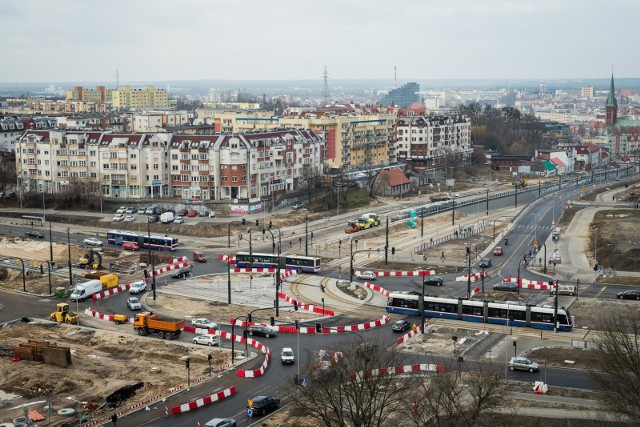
(212, 214)
(209, 340)
(35, 234)
(204, 323)
(434, 281)
(183, 212)
(263, 331)
(497, 251)
(523, 364)
(192, 214)
(485, 263)
(138, 287)
(92, 241)
(629, 294)
(130, 246)
(181, 274)
(203, 214)
(366, 275)
(141, 210)
(297, 206)
(153, 218)
(11, 195)
(149, 210)
(121, 210)
(261, 405)
(134, 303)
(401, 326)
(118, 217)
(129, 210)
(287, 356)
(129, 218)
(221, 422)
(509, 287)
(178, 220)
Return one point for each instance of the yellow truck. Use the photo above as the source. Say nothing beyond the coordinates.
(109, 280)
(150, 323)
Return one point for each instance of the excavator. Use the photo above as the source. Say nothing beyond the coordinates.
(91, 259)
(62, 314)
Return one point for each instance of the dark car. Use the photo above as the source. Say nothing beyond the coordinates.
(509, 287)
(630, 294)
(263, 331)
(261, 405)
(154, 218)
(485, 263)
(11, 195)
(181, 274)
(183, 212)
(401, 326)
(433, 281)
(35, 234)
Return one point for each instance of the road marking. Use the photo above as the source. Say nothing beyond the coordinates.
(600, 292)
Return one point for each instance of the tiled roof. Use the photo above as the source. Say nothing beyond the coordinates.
(395, 177)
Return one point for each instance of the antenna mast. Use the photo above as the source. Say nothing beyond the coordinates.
(325, 88)
(395, 76)
(117, 80)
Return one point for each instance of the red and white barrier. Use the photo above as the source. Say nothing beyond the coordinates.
(400, 273)
(170, 267)
(412, 333)
(227, 258)
(103, 316)
(395, 370)
(528, 284)
(307, 307)
(377, 288)
(474, 277)
(328, 330)
(475, 291)
(199, 403)
(176, 260)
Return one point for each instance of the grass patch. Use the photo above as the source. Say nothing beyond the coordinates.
(567, 216)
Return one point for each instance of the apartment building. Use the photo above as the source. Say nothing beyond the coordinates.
(144, 165)
(12, 127)
(236, 121)
(424, 140)
(352, 140)
(147, 97)
(156, 121)
(244, 166)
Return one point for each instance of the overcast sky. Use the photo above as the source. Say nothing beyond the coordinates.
(152, 40)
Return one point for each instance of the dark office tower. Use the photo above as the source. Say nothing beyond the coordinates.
(402, 97)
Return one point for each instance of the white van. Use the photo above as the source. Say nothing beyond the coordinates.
(85, 290)
(167, 217)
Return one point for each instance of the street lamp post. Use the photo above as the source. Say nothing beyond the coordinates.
(422, 222)
(453, 212)
(69, 252)
(595, 245)
(306, 236)
(469, 271)
(487, 201)
(386, 244)
(524, 259)
(152, 259)
(424, 273)
(276, 302)
(350, 260)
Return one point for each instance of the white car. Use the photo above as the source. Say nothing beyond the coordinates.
(130, 218)
(134, 303)
(141, 210)
(121, 210)
(130, 210)
(138, 287)
(204, 323)
(178, 220)
(93, 241)
(366, 275)
(118, 217)
(287, 356)
(209, 340)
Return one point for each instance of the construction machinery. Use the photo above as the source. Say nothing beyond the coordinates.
(364, 223)
(352, 227)
(92, 259)
(62, 314)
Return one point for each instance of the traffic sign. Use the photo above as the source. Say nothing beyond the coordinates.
(250, 412)
(553, 223)
(535, 242)
(304, 382)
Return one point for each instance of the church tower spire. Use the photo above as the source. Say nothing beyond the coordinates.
(611, 109)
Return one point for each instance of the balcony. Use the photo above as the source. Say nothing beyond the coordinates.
(118, 182)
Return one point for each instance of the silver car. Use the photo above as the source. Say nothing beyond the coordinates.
(209, 340)
(134, 303)
(523, 364)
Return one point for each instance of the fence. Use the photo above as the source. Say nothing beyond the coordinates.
(461, 233)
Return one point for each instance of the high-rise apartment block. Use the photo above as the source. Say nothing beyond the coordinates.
(403, 96)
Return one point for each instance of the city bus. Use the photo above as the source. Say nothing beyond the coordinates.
(158, 243)
(300, 263)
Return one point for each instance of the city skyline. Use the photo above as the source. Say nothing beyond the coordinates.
(59, 41)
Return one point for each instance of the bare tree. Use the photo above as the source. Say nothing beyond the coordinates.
(348, 392)
(7, 173)
(618, 369)
(454, 398)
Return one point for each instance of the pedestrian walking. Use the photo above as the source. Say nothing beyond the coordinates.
(442, 256)
(114, 419)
